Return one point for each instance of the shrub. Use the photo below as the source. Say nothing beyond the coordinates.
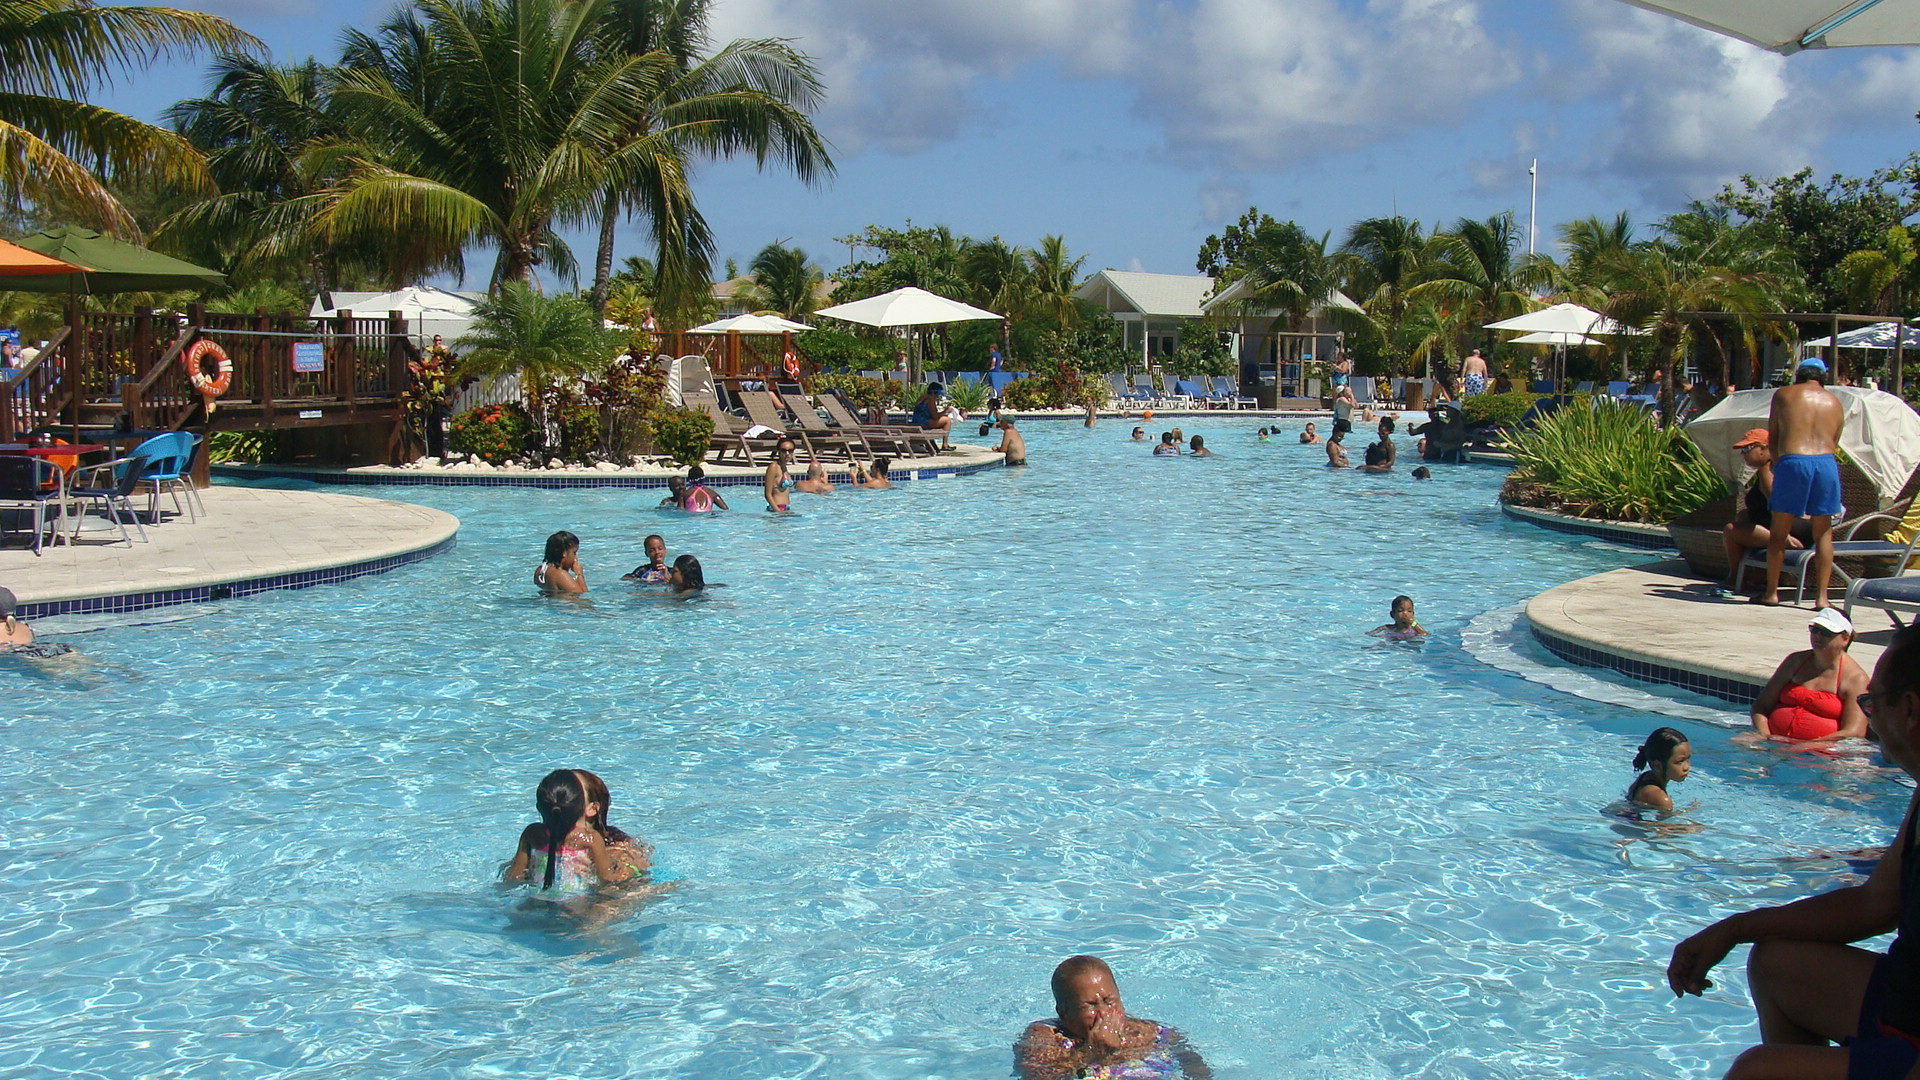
(682, 434)
(1609, 459)
(579, 425)
(493, 433)
(1022, 395)
(830, 348)
(864, 392)
(247, 446)
(968, 396)
(1504, 410)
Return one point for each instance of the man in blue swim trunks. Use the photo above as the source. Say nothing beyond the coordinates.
(1812, 987)
(1804, 431)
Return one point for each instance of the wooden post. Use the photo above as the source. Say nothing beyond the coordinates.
(344, 365)
(397, 380)
(145, 355)
(76, 363)
(271, 353)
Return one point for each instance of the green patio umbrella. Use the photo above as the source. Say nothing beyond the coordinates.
(112, 266)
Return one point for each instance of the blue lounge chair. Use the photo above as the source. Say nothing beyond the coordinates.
(1618, 388)
(1901, 592)
(1798, 561)
(1225, 390)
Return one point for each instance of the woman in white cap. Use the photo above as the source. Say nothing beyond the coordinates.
(1814, 693)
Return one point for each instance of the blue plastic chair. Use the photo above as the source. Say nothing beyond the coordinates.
(169, 457)
(999, 380)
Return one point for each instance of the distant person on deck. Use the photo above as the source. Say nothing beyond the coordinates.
(1473, 374)
(1751, 530)
(1804, 427)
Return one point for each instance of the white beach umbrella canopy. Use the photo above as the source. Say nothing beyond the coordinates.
(751, 324)
(1788, 26)
(1563, 319)
(1874, 336)
(1882, 434)
(1544, 337)
(906, 307)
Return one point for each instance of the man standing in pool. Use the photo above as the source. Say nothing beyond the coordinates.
(1811, 986)
(1804, 424)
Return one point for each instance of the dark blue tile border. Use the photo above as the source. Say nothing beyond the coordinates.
(542, 480)
(1601, 529)
(1720, 686)
(93, 605)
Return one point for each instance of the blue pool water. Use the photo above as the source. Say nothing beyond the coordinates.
(925, 744)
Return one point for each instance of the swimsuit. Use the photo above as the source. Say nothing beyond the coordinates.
(39, 651)
(1806, 485)
(1805, 713)
(572, 876)
(649, 574)
(1411, 633)
(1475, 384)
(1159, 1063)
(699, 500)
(1758, 513)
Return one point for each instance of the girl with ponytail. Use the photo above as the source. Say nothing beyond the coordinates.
(1667, 758)
(635, 852)
(562, 851)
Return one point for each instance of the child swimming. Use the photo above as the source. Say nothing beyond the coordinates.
(560, 572)
(583, 858)
(1404, 626)
(1667, 758)
(635, 852)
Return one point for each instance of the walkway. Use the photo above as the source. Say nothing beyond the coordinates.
(1659, 622)
(250, 539)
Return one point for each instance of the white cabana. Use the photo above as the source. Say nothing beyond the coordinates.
(428, 310)
(1788, 26)
(1882, 434)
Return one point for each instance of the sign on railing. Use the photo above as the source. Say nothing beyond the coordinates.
(309, 357)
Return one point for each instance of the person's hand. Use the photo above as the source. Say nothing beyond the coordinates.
(1108, 1033)
(1694, 957)
(1793, 543)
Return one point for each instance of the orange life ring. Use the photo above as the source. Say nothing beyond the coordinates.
(197, 376)
(791, 363)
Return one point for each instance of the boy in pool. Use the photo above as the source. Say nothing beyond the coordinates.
(1091, 1034)
(1404, 626)
(654, 570)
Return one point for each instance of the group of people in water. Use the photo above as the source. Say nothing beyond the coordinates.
(560, 572)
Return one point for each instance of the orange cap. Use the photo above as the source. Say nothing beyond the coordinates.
(1754, 437)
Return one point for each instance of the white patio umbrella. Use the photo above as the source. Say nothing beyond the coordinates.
(1788, 26)
(1564, 319)
(1874, 336)
(1881, 434)
(1546, 337)
(906, 307)
(751, 324)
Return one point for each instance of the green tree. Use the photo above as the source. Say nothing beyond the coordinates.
(1881, 280)
(58, 152)
(1055, 277)
(1475, 273)
(1386, 257)
(784, 280)
(1821, 224)
(543, 338)
(751, 97)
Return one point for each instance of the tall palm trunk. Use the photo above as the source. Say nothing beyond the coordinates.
(603, 258)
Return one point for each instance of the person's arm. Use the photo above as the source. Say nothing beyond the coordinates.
(1851, 684)
(1839, 917)
(717, 500)
(1040, 1056)
(769, 485)
(605, 865)
(1769, 698)
(522, 856)
(1192, 1065)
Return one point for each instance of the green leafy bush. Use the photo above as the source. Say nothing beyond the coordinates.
(968, 396)
(864, 392)
(579, 425)
(682, 434)
(1023, 395)
(830, 348)
(1502, 409)
(251, 447)
(493, 433)
(1609, 459)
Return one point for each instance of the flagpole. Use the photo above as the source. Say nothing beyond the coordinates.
(1533, 201)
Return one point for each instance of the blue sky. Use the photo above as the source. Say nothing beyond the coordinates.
(1136, 127)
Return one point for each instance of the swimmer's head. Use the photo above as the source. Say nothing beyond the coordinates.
(1386, 425)
(687, 575)
(562, 802)
(1667, 752)
(984, 428)
(1423, 473)
(1402, 611)
(1084, 991)
(1006, 422)
(1139, 433)
(1179, 436)
(816, 471)
(558, 545)
(1167, 437)
(676, 485)
(880, 465)
(696, 474)
(7, 602)
(1199, 443)
(1309, 425)
(598, 802)
(656, 547)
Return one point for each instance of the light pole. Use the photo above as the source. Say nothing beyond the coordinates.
(1533, 200)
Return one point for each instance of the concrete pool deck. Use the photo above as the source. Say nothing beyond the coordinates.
(1659, 623)
(249, 540)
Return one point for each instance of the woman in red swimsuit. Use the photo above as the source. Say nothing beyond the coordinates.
(1813, 693)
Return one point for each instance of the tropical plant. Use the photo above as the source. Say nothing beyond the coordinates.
(752, 97)
(493, 433)
(1053, 278)
(1024, 395)
(1502, 410)
(1201, 354)
(543, 338)
(58, 152)
(251, 447)
(1881, 280)
(968, 395)
(1385, 258)
(1821, 224)
(1611, 460)
(1474, 272)
(630, 392)
(784, 282)
(683, 434)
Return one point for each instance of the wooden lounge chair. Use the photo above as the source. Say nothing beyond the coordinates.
(729, 436)
(900, 441)
(761, 410)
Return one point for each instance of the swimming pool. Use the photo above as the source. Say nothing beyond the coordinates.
(927, 743)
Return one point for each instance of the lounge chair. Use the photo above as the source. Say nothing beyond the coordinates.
(1798, 561)
(1618, 388)
(812, 423)
(761, 410)
(1229, 392)
(728, 434)
(1900, 592)
(900, 441)
(1171, 394)
(1195, 391)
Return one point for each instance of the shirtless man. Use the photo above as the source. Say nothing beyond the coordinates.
(1811, 986)
(1473, 374)
(1011, 443)
(1803, 429)
(816, 482)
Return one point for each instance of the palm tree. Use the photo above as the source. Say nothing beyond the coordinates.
(1287, 270)
(544, 338)
(1385, 257)
(783, 281)
(1055, 278)
(482, 121)
(52, 53)
(1476, 274)
(753, 96)
(1882, 280)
